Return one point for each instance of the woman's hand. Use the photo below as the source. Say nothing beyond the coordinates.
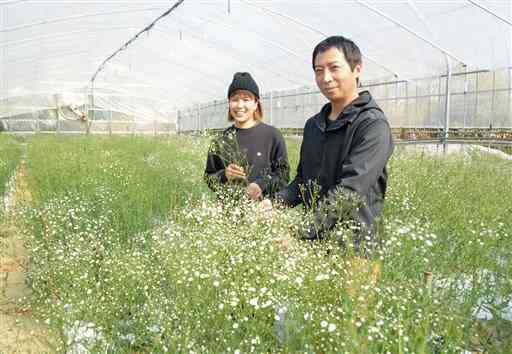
(234, 172)
(254, 191)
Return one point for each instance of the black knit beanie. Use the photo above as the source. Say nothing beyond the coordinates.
(243, 81)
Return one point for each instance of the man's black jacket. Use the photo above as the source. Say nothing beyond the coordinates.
(350, 154)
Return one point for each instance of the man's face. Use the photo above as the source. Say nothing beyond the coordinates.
(333, 75)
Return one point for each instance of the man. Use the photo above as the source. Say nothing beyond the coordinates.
(346, 146)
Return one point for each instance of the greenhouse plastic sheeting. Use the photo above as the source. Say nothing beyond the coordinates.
(50, 50)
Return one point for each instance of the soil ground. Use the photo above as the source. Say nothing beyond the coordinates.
(20, 332)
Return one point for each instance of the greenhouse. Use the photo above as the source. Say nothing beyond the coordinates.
(114, 240)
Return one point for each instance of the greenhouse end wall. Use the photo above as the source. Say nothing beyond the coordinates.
(479, 100)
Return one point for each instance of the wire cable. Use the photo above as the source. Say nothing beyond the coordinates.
(74, 18)
(489, 11)
(134, 38)
(11, 2)
(314, 30)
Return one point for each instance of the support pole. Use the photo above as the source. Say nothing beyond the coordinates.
(110, 121)
(271, 109)
(447, 56)
(178, 121)
(509, 105)
(466, 89)
(57, 112)
(90, 116)
(85, 121)
(447, 103)
(198, 117)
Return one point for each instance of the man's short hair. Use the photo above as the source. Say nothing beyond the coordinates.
(349, 49)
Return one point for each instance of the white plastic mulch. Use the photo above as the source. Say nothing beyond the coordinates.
(8, 197)
(464, 149)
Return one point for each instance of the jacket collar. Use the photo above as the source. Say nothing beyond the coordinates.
(348, 115)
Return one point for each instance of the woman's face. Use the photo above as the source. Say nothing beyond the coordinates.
(242, 106)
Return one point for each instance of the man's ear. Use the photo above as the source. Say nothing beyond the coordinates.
(357, 70)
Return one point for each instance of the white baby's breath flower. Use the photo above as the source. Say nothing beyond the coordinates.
(321, 277)
(403, 230)
(266, 303)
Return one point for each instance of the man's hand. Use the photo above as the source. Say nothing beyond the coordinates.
(266, 205)
(254, 191)
(234, 172)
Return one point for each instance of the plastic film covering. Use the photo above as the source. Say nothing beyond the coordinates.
(479, 99)
(178, 71)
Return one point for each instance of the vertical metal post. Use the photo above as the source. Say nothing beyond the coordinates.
(178, 121)
(465, 113)
(307, 103)
(296, 100)
(493, 98)
(169, 126)
(198, 117)
(477, 93)
(406, 102)
(5, 81)
(429, 109)
(396, 98)
(57, 112)
(271, 109)
(303, 104)
(36, 119)
(416, 103)
(440, 101)
(447, 104)
(92, 114)
(509, 70)
(58, 123)
(86, 111)
(110, 122)
(35, 113)
(37, 123)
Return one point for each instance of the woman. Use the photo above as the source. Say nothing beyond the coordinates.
(249, 152)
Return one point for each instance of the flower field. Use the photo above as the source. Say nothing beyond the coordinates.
(129, 252)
